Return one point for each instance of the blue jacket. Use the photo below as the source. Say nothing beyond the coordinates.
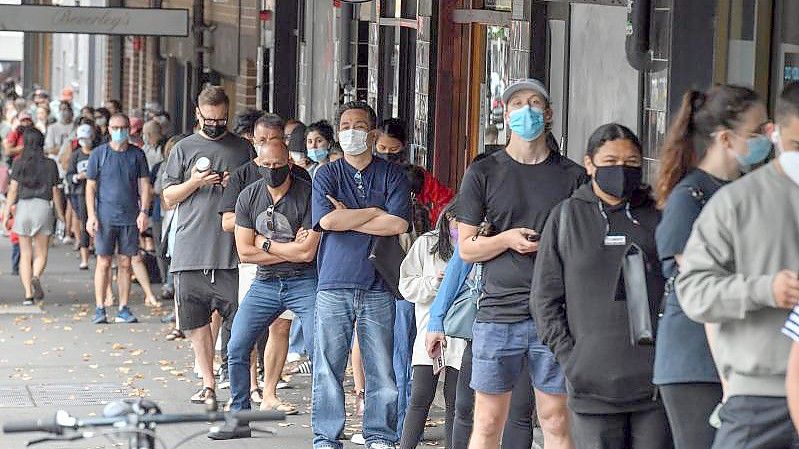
(454, 277)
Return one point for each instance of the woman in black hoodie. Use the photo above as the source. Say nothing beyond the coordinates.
(579, 299)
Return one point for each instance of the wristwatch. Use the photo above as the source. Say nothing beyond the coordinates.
(265, 246)
(144, 211)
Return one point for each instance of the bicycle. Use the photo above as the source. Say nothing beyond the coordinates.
(135, 419)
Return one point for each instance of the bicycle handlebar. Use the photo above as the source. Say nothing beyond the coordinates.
(57, 426)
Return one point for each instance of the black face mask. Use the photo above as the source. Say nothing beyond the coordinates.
(214, 131)
(274, 177)
(400, 157)
(619, 180)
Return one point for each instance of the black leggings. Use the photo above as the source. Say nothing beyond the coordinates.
(518, 433)
(423, 390)
(688, 407)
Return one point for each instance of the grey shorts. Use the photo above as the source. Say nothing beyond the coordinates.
(34, 216)
(499, 351)
(198, 293)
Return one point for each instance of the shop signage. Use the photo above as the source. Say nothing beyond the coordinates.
(94, 20)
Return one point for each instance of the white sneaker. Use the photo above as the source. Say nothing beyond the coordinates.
(382, 445)
(358, 439)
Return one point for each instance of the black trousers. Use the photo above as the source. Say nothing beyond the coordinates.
(636, 430)
(518, 433)
(755, 422)
(423, 391)
(688, 407)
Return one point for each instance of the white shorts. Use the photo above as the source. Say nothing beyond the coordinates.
(247, 272)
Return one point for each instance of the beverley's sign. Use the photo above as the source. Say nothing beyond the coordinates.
(94, 20)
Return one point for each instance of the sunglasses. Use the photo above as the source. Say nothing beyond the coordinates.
(270, 217)
(359, 184)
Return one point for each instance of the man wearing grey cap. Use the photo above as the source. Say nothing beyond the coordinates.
(514, 190)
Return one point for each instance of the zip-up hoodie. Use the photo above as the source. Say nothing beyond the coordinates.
(746, 234)
(578, 300)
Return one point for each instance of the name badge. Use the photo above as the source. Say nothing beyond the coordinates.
(615, 240)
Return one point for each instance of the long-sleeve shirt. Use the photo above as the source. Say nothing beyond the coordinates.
(454, 276)
(745, 235)
(419, 284)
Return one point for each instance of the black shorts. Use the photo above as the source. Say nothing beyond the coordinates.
(199, 293)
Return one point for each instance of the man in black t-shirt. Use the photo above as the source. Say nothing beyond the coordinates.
(273, 230)
(514, 191)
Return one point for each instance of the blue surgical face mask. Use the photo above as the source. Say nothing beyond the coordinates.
(318, 154)
(120, 135)
(758, 149)
(527, 122)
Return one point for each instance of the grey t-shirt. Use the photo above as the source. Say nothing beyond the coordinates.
(57, 133)
(200, 242)
(279, 221)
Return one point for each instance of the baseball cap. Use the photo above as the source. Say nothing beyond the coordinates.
(525, 84)
(136, 124)
(84, 131)
(24, 116)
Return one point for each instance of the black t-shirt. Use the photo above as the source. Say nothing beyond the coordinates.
(509, 194)
(41, 176)
(243, 177)
(78, 163)
(291, 213)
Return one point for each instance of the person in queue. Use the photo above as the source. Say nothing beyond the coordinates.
(505, 337)
(746, 286)
(580, 303)
(695, 164)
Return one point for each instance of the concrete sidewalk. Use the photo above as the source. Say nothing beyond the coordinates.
(54, 358)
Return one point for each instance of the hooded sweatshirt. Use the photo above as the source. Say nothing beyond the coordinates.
(747, 232)
(579, 301)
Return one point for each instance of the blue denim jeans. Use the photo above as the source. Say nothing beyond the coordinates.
(264, 302)
(404, 336)
(15, 257)
(296, 339)
(336, 313)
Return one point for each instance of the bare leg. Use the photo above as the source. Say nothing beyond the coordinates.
(277, 348)
(216, 325)
(102, 279)
(490, 414)
(123, 279)
(358, 374)
(41, 246)
(26, 264)
(554, 418)
(144, 280)
(109, 293)
(204, 353)
(254, 368)
(84, 256)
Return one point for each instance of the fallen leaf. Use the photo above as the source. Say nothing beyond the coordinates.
(117, 346)
(136, 352)
(93, 366)
(285, 424)
(28, 342)
(67, 328)
(123, 369)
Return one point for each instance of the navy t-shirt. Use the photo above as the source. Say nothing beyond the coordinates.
(682, 354)
(117, 174)
(343, 256)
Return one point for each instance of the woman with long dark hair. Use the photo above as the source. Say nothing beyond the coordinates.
(714, 137)
(421, 274)
(597, 257)
(34, 190)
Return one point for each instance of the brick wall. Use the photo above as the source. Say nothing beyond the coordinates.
(245, 85)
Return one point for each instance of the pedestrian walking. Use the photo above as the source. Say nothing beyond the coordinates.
(77, 176)
(746, 286)
(505, 335)
(14, 142)
(34, 193)
(273, 230)
(421, 274)
(203, 258)
(59, 131)
(580, 302)
(118, 194)
(695, 164)
(355, 200)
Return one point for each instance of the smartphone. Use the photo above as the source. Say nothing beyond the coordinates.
(438, 362)
(533, 237)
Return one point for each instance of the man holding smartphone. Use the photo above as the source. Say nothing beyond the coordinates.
(504, 332)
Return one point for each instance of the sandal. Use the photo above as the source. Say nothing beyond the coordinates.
(257, 396)
(203, 396)
(152, 302)
(284, 407)
(176, 334)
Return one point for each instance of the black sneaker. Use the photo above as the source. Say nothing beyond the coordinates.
(229, 432)
(38, 293)
(28, 302)
(167, 292)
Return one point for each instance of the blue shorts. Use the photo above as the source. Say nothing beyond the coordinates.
(499, 351)
(125, 239)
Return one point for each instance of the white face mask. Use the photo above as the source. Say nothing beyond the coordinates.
(789, 161)
(776, 139)
(352, 141)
